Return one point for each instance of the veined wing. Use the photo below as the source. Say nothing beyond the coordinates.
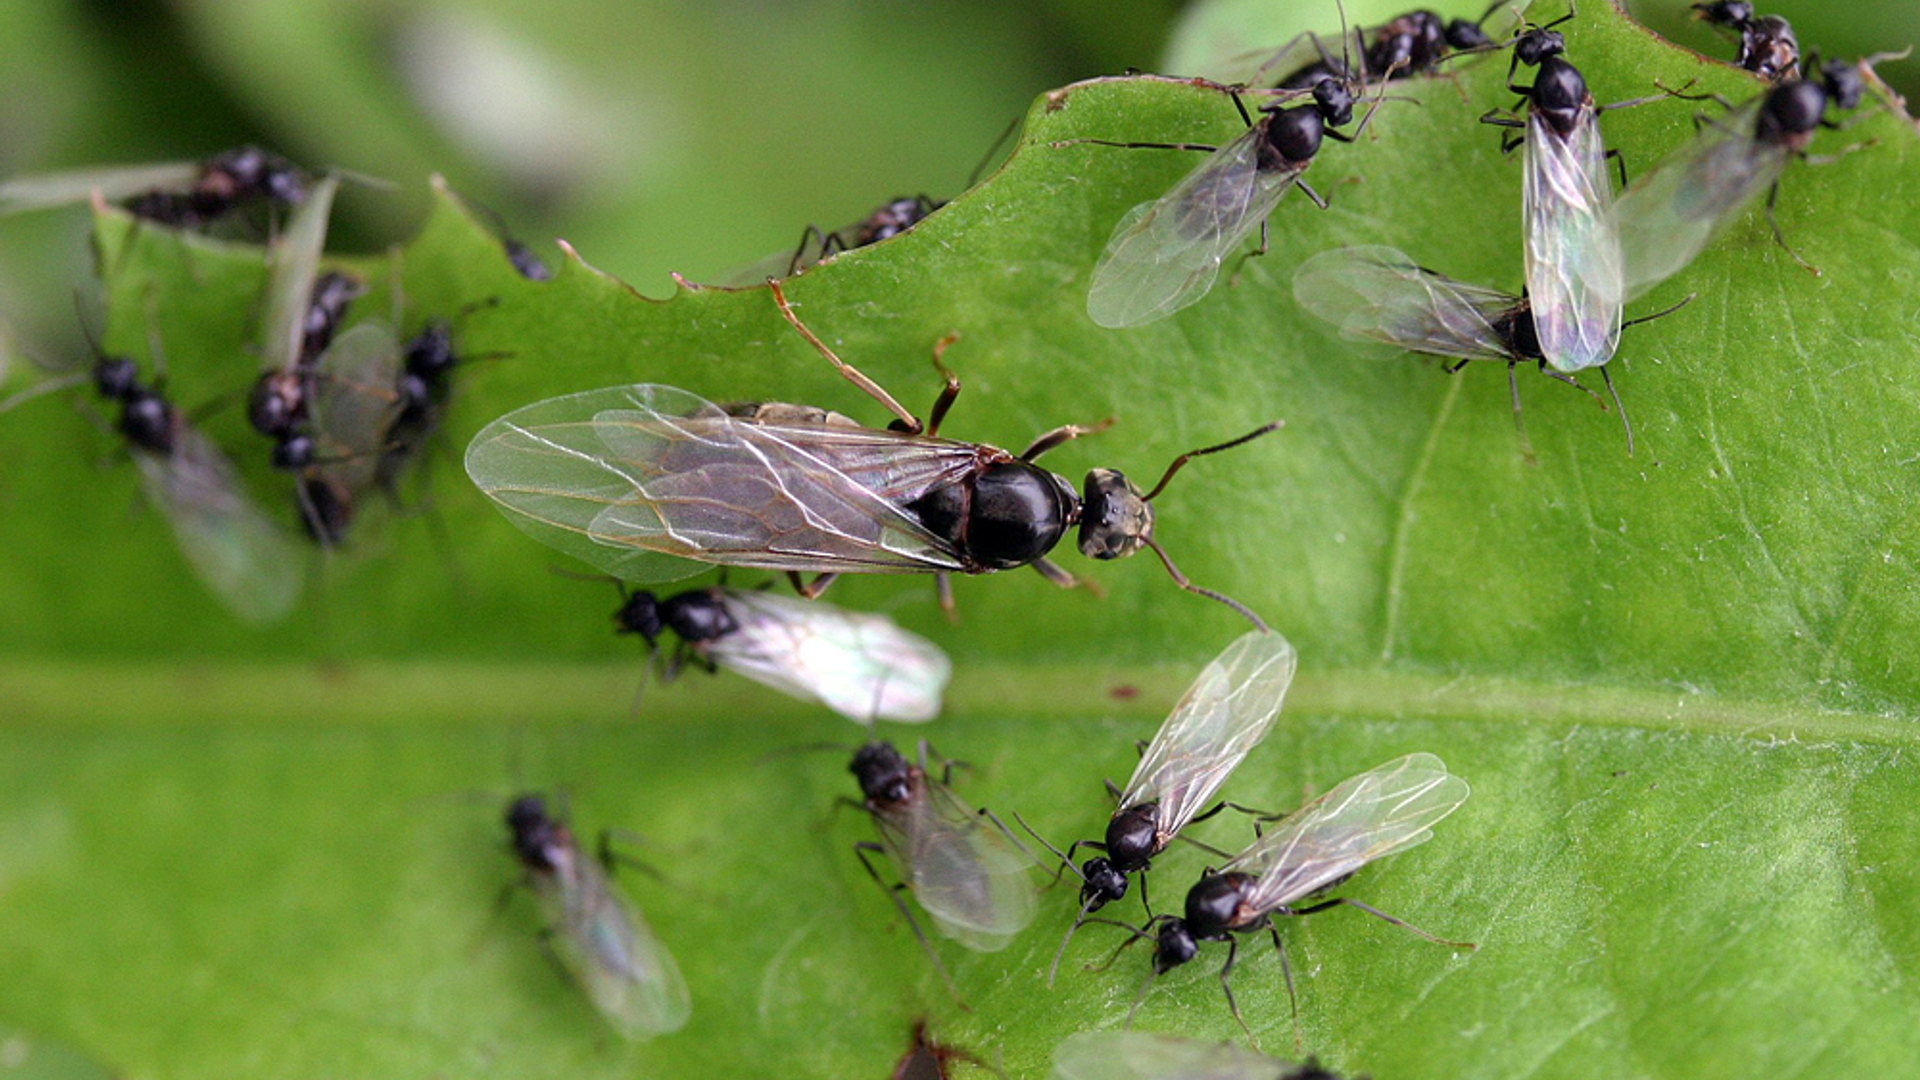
(1574, 274)
(1164, 254)
(638, 479)
(249, 562)
(1668, 214)
(1224, 714)
(1378, 294)
(603, 940)
(864, 667)
(1147, 1055)
(46, 190)
(965, 873)
(1387, 809)
(355, 403)
(295, 262)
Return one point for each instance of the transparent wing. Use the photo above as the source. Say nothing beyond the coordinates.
(249, 562)
(638, 479)
(1164, 254)
(294, 263)
(966, 874)
(355, 403)
(46, 190)
(1378, 294)
(1668, 214)
(1367, 817)
(602, 939)
(1224, 714)
(862, 666)
(1574, 274)
(1146, 1055)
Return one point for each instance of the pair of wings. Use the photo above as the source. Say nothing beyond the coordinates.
(1382, 811)
(639, 480)
(1147, 1055)
(601, 938)
(1165, 254)
(1376, 293)
(1222, 717)
(252, 564)
(1671, 212)
(48, 190)
(966, 874)
(863, 666)
(1575, 277)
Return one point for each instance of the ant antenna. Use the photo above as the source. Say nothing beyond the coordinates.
(1060, 953)
(1180, 579)
(1181, 461)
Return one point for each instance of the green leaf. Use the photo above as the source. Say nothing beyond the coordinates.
(1677, 681)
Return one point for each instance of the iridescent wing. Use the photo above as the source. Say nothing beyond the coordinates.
(862, 666)
(1378, 294)
(355, 403)
(966, 874)
(1382, 811)
(1165, 254)
(1669, 213)
(249, 562)
(609, 948)
(638, 479)
(1223, 716)
(47, 190)
(1147, 1055)
(294, 262)
(1574, 275)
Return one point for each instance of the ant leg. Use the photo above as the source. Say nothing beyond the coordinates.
(1608, 379)
(1502, 118)
(1620, 160)
(861, 850)
(811, 590)
(810, 234)
(950, 388)
(943, 592)
(1312, 196)
(1342, 901)
(1145, 906)
(1286, 973)
(1561, 376)
(1226, 987)
(1113, 789)
(1233, 279)
(847, 371)
(1773, 195)
(1201, 148)
(1059, 436)
(611, 860)
(1519, 425)
(1052, 572)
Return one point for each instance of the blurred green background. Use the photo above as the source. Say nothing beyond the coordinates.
(654, 136)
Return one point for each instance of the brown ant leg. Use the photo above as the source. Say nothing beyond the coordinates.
(810, 590)
(847, 371)
(943, 589)
(951, 388)
(1061, 435)
(1053, 572)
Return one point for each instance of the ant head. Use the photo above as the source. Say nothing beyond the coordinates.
(1133, 836)
(116, 377)
(1843, 83)
(1115, 520)
(1172, 946)
(1333, 99)
(640, 614)
(534, 832)
(1724, 12)
(1537, 44)
(883, 772)
(1462, 34)
(430, 353)
(1102, 883)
